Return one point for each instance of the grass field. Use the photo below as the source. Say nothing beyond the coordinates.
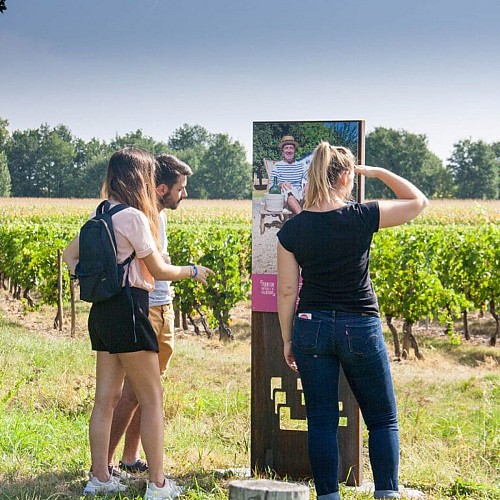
(449, 404)
(449, 411)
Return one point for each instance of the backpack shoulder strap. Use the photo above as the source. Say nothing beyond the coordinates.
(110, 212)
(104, 208)
(116, 209)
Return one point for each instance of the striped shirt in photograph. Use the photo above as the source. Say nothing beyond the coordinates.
(294, 173)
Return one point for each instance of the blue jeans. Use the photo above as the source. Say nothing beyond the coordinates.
(320, 346)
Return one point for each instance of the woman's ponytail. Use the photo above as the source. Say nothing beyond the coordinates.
(327, 166)
(318, 186)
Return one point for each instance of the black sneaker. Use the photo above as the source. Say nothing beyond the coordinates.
(135, 467)
(114, 472)
(118, 473)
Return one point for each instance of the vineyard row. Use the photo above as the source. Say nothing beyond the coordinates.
(418, 271)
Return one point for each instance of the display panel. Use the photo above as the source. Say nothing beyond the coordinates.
(286, 148)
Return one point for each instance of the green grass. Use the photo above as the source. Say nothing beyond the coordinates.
(449, 408)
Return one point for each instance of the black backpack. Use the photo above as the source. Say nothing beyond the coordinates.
(99, 275)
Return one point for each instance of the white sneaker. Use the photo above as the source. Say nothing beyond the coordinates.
(169, 491)
(112, 485)
(409, 494)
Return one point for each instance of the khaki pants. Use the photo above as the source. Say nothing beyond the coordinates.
(162, 321)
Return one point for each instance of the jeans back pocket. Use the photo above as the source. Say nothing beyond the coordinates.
(306, 333)
(364, 337)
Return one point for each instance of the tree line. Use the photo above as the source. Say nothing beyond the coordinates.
(472, 171)
(52, 162)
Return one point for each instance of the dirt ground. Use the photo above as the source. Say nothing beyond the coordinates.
(263, 245)
(41, 321)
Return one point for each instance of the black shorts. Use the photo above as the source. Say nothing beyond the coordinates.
(111, 325)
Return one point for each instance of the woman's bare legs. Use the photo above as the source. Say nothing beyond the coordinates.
(109, 381)
(144, 374)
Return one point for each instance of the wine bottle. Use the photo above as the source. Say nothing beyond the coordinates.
(275, 189)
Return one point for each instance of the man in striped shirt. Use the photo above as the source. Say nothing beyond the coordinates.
(291, 174)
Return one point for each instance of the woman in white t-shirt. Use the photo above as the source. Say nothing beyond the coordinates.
(125, 342)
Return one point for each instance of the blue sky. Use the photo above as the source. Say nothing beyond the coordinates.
(110, 67)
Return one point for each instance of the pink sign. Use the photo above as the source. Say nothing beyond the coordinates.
(264, 292)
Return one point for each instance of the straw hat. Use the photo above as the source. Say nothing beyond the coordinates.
(288, 139)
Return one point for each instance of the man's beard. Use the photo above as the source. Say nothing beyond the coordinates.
(166, 202)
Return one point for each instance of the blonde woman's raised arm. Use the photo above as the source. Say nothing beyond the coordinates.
(411, 201)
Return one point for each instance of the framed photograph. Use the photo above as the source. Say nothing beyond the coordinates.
(282, 153)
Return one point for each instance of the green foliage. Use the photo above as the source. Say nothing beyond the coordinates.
(189, 137)
(421, 271)
(194, 158)
(55, 159)
(41, 162)
(5, 183)
(93, 176)
(224, 173)
(471, 489)
(4, 133)
(139, 140)
(89, 168)
(28, 250)
(229, 255)
(224, 249)
(220, 169)
(405, 154)
(475, 170)
(50, 162)
(5, 179)
(404, 276)
(418, 270)
(29, 245)
(22, 154)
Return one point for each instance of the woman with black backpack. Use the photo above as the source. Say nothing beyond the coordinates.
(119, 328)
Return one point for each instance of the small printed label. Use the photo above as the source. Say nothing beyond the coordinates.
(305, 315)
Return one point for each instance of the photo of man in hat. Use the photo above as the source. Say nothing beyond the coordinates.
(291, 174)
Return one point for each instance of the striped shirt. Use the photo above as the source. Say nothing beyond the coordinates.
(294, 173)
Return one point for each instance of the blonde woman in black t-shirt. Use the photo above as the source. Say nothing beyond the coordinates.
(337, 320)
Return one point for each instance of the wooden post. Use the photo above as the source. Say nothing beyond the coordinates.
(280, 444)
(177, 311)
(265, 489)
(60, 290)
(73, 310)
(177, 318)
